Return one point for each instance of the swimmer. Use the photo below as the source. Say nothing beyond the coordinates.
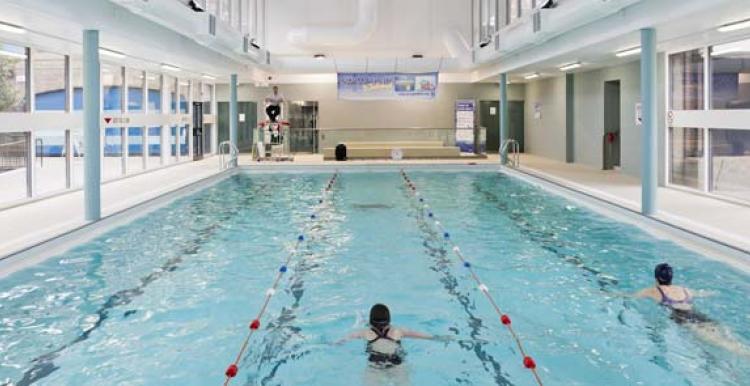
(679, 300)
(384, 350)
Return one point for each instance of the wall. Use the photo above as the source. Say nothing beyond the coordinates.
(589, 116)
(335, 113)
(545, 136)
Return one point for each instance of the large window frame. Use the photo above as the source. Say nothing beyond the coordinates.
(707, 119)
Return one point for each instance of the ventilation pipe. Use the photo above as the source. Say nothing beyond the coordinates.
(359, 32)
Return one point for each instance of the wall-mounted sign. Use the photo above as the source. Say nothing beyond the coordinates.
(387, 85)
(537, 110)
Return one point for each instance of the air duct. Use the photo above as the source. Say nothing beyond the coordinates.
(359, 32)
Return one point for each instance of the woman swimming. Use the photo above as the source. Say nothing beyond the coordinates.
(680, 301)
(384, 340)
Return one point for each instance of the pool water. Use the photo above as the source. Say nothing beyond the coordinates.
(166, 299)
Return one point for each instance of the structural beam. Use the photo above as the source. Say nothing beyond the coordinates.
(233, 111)
(649, 160)
(91, 126)
(504, 118)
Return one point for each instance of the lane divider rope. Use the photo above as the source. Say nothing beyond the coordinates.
(254, 325)
(528, 361)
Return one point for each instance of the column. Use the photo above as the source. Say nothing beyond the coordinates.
(504, 119)
(649, 141)
(233, 115)
(91, 125)
(570, 118)
(164, 146)
(190, 127)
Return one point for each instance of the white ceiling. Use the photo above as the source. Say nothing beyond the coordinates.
(401, 28)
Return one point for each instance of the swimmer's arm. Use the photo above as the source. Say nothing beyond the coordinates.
(352, 336)
(415, 334)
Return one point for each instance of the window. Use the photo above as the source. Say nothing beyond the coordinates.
(526, 7)
(730, 75)
(49, 82)
(76, 81)
(512, 11)
(12, 78)
(13, 147)
(686, 157)
(112, 161)
(224, 10)
(171, 93)
(49, 162)
(686, 80)
(154, 145)
(184, 133)
(730, 163)
(135, 90)
(154, 93)
(111, 88)
(184, 86)
(135, 149)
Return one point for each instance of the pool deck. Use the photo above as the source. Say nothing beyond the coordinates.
(32, 223)
(717, 219)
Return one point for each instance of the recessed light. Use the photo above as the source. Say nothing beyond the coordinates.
(531, 76)
(111, 53)
(628, 52)
(738, 25)
(209, 77)
(570, 66)
(319, 56)
(12, 28)
(170, 67)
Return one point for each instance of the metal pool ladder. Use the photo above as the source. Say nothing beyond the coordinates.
(228, 154)
(515, 148)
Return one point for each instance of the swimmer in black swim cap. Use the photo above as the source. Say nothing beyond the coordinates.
(680, 301)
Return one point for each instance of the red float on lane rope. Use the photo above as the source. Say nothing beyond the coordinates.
(505, 319)
(529, 363)
(255, 324)
(231, 371)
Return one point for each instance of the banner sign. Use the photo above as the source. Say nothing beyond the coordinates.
(465, 122)
(387, 85)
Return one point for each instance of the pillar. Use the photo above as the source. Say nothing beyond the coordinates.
(649, 161)
(504, 118)
(91, 126)
(233, 114)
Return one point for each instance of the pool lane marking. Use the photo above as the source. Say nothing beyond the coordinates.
(254, 325)
(528, 361)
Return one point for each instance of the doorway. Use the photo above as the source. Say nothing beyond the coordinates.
(303, 124)
(611, 137)
(489, 118)
(248, 120)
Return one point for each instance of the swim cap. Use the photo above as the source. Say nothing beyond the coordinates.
(380, 316)
(663, 274)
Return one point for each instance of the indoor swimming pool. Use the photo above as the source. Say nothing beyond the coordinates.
(167, 299)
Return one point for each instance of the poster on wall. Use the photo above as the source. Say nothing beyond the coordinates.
(465, 122)
(387, 85)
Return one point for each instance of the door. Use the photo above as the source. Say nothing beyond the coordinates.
(248, 120)
(611, 137)
(515, 115)
(489, 118)
(303, 123)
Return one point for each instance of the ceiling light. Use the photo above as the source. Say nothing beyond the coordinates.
(531, 76)
(14, 29)
(738, 25)
(628, 52)
(15, 55)
(209, 77)
(111, 53)
(570, 66)
(319, 56)
(170, 67)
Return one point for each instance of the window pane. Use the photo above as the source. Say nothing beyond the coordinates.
(154, 146)
(686, 151)
(512, 10)
(173, 142)
(730, 75)
(76, 68)
(171, 87)
(111, 88)
(112, 161)
(184, 88)
(154, 93)
(12, 78)
(49, 163)
(12, 166)
(730, 163)
(135, 149)
(184, 140)
(77, 138)
(224, 11)
(686, 80)
(135, 90)
(49, 82)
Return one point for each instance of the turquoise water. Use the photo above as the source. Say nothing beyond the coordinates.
(166, 300)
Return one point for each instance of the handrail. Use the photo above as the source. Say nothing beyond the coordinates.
(232, 152)
(515, 148)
